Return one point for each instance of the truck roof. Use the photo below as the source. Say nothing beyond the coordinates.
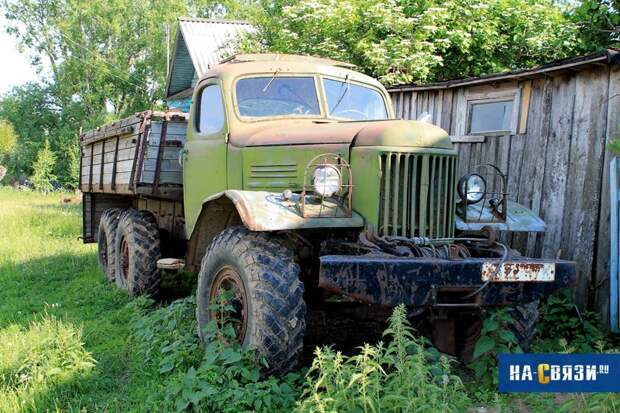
(270, 63)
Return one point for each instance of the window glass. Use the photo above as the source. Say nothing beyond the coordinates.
(355, 102)
(211, 119)
(491, 116)
(277, 96)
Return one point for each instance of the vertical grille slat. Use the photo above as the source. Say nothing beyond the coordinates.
(387, 175)
(441, 212)
(414, 196)
(395, 203)
(423, 205)
(405, 198)
(417, 195)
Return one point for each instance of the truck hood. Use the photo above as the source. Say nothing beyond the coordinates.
(368, 133)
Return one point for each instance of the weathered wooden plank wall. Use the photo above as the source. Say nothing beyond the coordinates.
(558, 167)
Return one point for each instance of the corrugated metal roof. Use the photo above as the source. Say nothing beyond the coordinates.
(606, 56)
(201, 44)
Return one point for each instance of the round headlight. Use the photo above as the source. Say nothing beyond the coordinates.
(472, 187)
(326, 180)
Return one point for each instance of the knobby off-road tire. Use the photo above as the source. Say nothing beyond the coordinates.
(523, 325)
(524, 320)
(261, 269)
(106, 239)
(137, 248)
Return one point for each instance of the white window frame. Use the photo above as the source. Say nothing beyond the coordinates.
(487, 94)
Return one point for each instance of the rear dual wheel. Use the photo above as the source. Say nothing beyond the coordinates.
(129, 247)
(137, 249)
(106, 239)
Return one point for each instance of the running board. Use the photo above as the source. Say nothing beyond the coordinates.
(171, 264)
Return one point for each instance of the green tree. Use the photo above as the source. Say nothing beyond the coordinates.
(402, 41)
(43, 169)
(8, 138)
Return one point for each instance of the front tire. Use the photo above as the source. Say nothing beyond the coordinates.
(137, 248)
(265, 294)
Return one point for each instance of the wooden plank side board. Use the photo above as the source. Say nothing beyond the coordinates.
(601, 268)
(554, 186)
(120, 163)
(584, 175)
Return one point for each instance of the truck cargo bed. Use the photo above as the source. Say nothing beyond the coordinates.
(135, 156)
(134, 163)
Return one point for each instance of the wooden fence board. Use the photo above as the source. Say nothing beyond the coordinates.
(602, 265)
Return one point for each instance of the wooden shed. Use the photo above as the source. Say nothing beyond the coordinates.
(547, 128)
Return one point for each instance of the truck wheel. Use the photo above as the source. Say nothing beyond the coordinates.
(524, 320)
(265, 295)
(106, 238)
(137, 249)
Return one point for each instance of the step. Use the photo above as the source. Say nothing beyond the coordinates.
(170, 264)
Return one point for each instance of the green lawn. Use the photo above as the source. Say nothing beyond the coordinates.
(48, 276)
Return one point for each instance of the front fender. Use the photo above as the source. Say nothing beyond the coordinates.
(518, 219)
(269, 211)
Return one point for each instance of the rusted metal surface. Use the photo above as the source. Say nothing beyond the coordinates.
(430, 282)
(270, 211)
(518, 271)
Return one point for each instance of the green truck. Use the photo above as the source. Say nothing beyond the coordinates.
(290, 183)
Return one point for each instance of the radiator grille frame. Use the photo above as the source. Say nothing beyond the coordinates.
(417, 189)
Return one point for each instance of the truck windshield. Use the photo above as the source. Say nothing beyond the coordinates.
(277, 96)
(354, 102)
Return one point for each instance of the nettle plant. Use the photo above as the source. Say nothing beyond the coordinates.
(496, 338)
(220, 376)
(403, 375)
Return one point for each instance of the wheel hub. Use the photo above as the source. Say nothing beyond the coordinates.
(229, 296)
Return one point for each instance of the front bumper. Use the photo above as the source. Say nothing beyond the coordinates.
(434, 282)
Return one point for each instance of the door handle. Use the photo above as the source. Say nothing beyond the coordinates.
(182, 155)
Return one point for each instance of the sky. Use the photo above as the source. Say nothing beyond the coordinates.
(15, 68)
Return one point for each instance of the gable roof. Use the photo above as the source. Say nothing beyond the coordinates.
(200, 44)
(605, 56)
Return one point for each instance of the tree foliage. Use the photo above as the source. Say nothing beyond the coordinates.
(8, 138)
(43, 175)
(402, 41)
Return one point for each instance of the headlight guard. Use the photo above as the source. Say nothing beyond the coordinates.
(327, 187)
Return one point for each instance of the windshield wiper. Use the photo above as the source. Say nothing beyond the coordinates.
(270, 81)
(346, 90)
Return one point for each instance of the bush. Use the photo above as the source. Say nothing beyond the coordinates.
(43, 167)
(564, 328)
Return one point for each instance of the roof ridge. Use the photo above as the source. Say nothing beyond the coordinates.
(219, 21)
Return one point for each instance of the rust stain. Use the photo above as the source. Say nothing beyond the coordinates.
(519, 272)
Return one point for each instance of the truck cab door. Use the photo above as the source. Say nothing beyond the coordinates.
(204, 158)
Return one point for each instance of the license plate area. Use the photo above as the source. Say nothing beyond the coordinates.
(519, 272)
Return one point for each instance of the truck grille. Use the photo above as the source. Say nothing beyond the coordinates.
(417, 195)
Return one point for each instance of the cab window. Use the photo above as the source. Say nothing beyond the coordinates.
(353, 102)
(271, 96)
(210, 113)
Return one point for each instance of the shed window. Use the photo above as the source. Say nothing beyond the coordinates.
(491, 116)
